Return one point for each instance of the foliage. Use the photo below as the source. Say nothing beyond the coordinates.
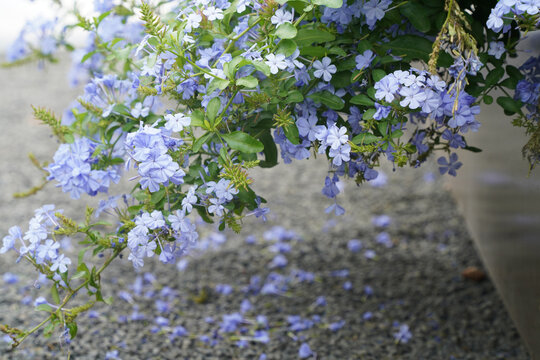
(358, 81)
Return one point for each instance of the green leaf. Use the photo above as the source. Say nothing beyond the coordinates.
(44, 307)
(88, 56)
(364, 45)
(337, 51)
(410, 47)
(488, 99)
(241, 141)
(494, 76)
(332, 101)
(396, 134)
(262, 67)
(473, 149)
(286, 47)
(81, 256)
(201, 141)
(514, 72)
(310, 36)
(99, 19)
(48, 329)
(335, 4)
(72, 329)
(217, 84)
(294, 96)
(236, 63)
(313, 51)
(157, 196)
(509, 104)
(509, 82)
(368, 114)
(419, 15)
(362, 100)
(54, 293)
(291, 132)
(383, 127)
(365, 139)
(270, 150)
(378, 74)
(341, 79)
(69, 138)
(300, 6)
(213, 108)
(286, 31)
(197, 118)
(248, 81)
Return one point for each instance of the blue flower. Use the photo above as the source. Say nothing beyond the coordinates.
(305, 351)
(224, 289)
(10, 278)
(230, 322)
(374, 10)
(324, 69)
(73, 169)
(279, 261)
(139, 110)
(364, 60)
(354, 245)
(454, 140)
(261, 336)
(336, 325)
(281, 16)
(384, 239)
(450, 166)
(496, 48)
(382, 111)
(341, 17)
(47, 251)
(245, 306)
(176, 122)
(337, 209)
(337, 137)
(61, 264)
(189, 200)
(8, 242)
(413, 97)
(276, 62)
(307, 127)
(330, 188)
(387, 88)
(403, 335)
(178, 331)
(369, 254)
(321, 301)
(340, 155)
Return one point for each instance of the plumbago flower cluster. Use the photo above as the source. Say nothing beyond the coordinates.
(190, 95)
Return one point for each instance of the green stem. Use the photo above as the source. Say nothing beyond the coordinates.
(203, 70)
(225, 109)
(235, 39)
(70, 295)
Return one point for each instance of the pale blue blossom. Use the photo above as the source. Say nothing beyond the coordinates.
(177, 122)
(324, 69)
(276, 62)
(496, 48)
(281, 16)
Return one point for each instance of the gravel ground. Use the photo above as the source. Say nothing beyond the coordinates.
(412, 271)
